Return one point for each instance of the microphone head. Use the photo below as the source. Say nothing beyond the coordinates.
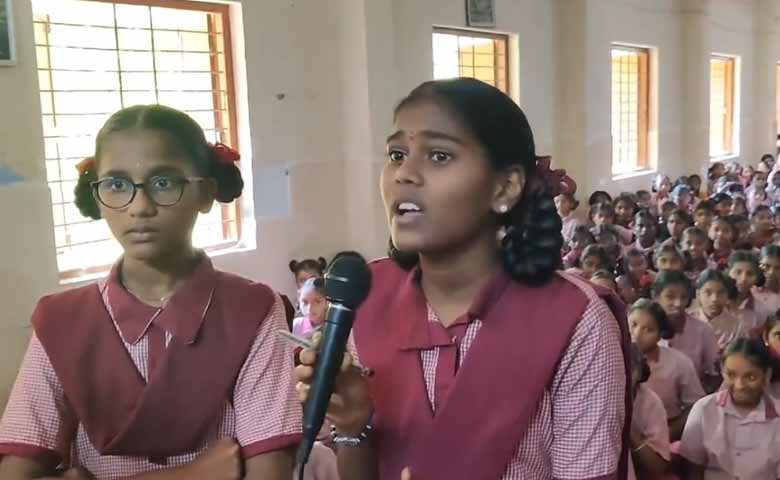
(348, 281)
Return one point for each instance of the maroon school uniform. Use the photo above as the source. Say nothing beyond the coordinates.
(121, 388)
(475, 400)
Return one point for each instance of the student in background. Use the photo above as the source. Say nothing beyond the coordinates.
(673, 291)
(771, 337)
(715, 291)
(604, 278)
(703, 214)
(567, 206)
(678, 221)
(651, 451)
(604, 214)
(306, 269)
(756, 193)
(762, 229)
(625, 208)
(695, 245)
(637, 280)
(735, 433)
(672, 374)
(722, 233)
(581, 239)
(594, 258)
(744, 270)
(645, 233)
(769, 293)
(313, 306)
(669, 257)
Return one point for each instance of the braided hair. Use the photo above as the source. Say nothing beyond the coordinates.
(530, 250)
(184, 130)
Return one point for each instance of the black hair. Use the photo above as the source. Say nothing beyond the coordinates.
(628, 198)
(767, 156)
(640, 193)
(668, 204)
(695, 232)
(747, 256)
(669, 246)
(310, 265)
(728, 220)
(599, 252)
(603, 208)
(638, 361)
(572, 199)
(668, 278)
(531, 248)
(759, 209)
(771, 323)
(655, 310)
(713, 167)
(633, 253)
(770, 251)
(599, 196)
(189, 137)
(714, 275)
(705, 205)
(682, 215)
(752, 348)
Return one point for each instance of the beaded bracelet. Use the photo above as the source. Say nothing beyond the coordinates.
(350, 441)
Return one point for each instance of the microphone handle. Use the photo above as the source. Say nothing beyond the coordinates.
(334, 341)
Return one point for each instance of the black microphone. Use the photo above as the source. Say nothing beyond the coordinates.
(347, 283)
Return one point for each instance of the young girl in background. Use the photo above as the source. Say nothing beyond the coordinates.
(771, 337)
(567, 206)
(645, 228)
(734, 433)
(742, 228)
(678, 221)
(744, 270)
(714, 292)
(649, 431)
(169, 368)
(672, 374)
(604, 278)
(581, 239)
(306, 269)
(694, 181)
(669, 257)
(625, 207)
(756, 193)
(722, 234)
(702, 215)
(666, 210)
(695, 244)
(594, 257)
(722, 203)
(739, 206)
(313, 306)
(604, 214)
(769, 293)
(637, 280)
(682, 196)
(696, 339)
(662, 186)
(608, 237)
(762, 227)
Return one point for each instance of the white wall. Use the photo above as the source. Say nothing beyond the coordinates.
(322, 79)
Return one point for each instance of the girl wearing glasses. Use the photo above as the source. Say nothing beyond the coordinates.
(169, 368)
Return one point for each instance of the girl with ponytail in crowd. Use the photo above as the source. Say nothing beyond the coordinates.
(466, 296)
(168, 368)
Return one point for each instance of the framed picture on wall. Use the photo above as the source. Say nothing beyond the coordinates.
(481, 13)
(7, 47)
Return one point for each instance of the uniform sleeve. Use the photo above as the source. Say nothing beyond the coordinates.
(589, 398)
(657, 433)
(692, 442)
(268, 413)
(37, 422)
(688, 383)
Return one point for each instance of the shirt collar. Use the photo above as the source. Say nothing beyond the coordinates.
(181, 315)
(416, 333)
(765, 410)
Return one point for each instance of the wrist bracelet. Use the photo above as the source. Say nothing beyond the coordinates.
(350, 441)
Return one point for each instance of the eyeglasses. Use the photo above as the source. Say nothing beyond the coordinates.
(118, 192)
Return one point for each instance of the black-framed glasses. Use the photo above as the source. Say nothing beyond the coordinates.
(163, 190)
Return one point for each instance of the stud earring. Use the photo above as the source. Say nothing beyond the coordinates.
(503, 209)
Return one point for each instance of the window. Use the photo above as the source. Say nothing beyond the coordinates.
(463, 53)
(96, 57)
(721, 106)
(630, 109)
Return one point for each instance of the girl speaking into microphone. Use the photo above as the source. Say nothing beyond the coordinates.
(487, 363)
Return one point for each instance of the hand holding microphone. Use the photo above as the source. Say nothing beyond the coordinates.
(327, 381)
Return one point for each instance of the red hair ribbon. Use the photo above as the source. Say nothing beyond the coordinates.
(555, 181)
(224, 154)
(85, 166)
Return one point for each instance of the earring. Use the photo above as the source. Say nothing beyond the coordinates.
(503, 209)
